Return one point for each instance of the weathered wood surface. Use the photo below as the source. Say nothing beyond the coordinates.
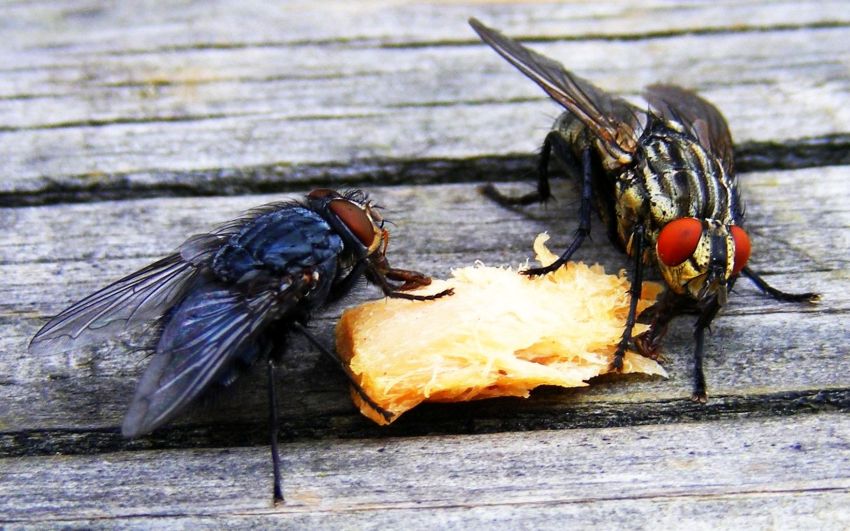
(194, 98)
(117, 121)
(761, 474)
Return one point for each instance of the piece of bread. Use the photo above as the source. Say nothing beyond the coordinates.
(500, 334)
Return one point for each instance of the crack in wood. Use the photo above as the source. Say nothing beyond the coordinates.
(829, 150)
(545, 412)
(637, 36)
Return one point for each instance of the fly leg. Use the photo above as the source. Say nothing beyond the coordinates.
(775, 293)
(543, 191)
(649, 342)
(388, 416)
(583, 230)
(638, 244)
(273, 423)
(703, 322)
(411, 279)
(658, 316)
(380, 278)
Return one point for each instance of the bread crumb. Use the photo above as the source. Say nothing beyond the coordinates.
(500, 334)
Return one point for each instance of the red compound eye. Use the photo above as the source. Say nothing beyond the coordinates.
(678, 240)
(355, 218)
(742, 248)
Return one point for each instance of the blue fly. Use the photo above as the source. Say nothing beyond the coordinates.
(229, 297)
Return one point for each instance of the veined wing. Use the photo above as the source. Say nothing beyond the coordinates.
(212, 327)
(615, 122)
(699, 117)
(135, 299)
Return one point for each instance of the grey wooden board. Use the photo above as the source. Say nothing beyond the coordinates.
(758, 346)
(112, 101)
(104, 97)
(785, 473)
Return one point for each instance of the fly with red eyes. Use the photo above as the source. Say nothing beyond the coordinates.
(663, 182)
(232, 296)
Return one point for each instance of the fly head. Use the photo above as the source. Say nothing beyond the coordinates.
(353, 217)
(699, 257)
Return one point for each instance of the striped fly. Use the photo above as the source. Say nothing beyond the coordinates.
(229, 297)
(662, 181)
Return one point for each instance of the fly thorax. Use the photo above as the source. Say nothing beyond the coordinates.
(683, 179)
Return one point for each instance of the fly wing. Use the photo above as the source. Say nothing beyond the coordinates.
(135, 299)
(698, 116)
(614, 121)
(215, 325)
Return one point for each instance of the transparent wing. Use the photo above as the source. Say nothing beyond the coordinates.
(614, 121)
(135, 299)
(698, 116)
(213, 327)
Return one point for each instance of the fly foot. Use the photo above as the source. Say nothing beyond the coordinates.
(700, 397)
(492, 193)
(540, 271)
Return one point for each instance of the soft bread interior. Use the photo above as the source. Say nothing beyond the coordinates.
(500, 334)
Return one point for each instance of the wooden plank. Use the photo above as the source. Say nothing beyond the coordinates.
(758, 348)
(758, 474)
(147, 106)
(101, 101)
(124, 28)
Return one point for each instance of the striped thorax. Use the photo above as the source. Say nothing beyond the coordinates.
(661, 177)
(675, 177)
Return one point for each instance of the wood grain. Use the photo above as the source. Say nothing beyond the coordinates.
(123, 130)
(775, 473)
(153, 109)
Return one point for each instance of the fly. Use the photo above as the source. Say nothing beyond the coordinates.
(229, 297)
(662, 181)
